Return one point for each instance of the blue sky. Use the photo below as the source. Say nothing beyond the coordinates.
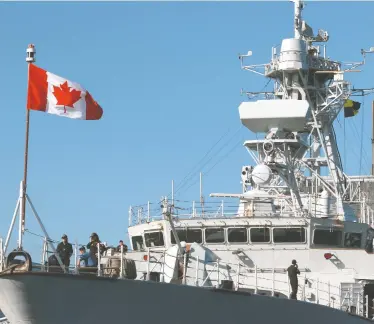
(168, 77)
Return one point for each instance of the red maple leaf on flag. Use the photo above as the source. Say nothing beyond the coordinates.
(64, 96)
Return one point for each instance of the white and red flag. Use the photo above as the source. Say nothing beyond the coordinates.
(58, 96)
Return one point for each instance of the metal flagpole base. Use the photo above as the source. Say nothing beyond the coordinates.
(11, 227)
(18, 210)
(49, 241)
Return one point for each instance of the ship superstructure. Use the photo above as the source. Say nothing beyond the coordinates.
(297, 202)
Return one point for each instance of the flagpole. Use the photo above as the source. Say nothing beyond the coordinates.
(24, 182)
(30, 58)
(372, 138)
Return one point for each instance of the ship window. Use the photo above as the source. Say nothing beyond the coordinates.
(289, 235)
(327, 237)
(260, 235)
(214, 235)
(137, 242)
(352, 240)
(154, 239)
(189, 235)
(237, 235)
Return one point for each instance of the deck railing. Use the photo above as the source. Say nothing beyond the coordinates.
(265, 281)
(268, 281)
(149, 212)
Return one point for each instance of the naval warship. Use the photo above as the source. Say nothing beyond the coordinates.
(225, 264)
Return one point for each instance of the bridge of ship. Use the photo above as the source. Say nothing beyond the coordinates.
(249, 233)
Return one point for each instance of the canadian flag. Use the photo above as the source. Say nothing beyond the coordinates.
(58, 96)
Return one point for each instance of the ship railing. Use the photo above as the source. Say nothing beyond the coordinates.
(319, 63)
(366, 213)
(75, 269)
(202, 273)
(357, 187)
(149, 212)
(369, 308)
(268, 281)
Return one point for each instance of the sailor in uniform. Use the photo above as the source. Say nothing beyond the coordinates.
(293, 271)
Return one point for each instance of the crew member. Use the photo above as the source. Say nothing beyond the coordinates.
(124, 247)
(83, 257)
(293, 271)
(65, 250)
(92, 246)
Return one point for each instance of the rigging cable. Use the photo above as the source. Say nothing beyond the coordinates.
(191, 172)
(337, 149)
(353, 147)
(225, 156)
(206, 154)
(183, 184)
(345, 149)
(362, 132)
(219, 161)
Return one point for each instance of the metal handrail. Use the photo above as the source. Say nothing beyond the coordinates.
(325, 293)
(213, 209)
(271, 280)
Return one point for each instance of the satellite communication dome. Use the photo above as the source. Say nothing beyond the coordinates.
(261, 174)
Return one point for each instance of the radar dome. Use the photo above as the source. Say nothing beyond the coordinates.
(261, 174)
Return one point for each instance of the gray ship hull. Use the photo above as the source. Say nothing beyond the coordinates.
(43, 298)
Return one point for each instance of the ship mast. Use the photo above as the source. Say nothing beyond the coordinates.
(310, 91)
(297, 22)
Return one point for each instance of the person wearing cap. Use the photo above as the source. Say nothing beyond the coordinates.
(124, 247)
(92, 247)
(65, 250)
(293, 271)
(94, 239)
